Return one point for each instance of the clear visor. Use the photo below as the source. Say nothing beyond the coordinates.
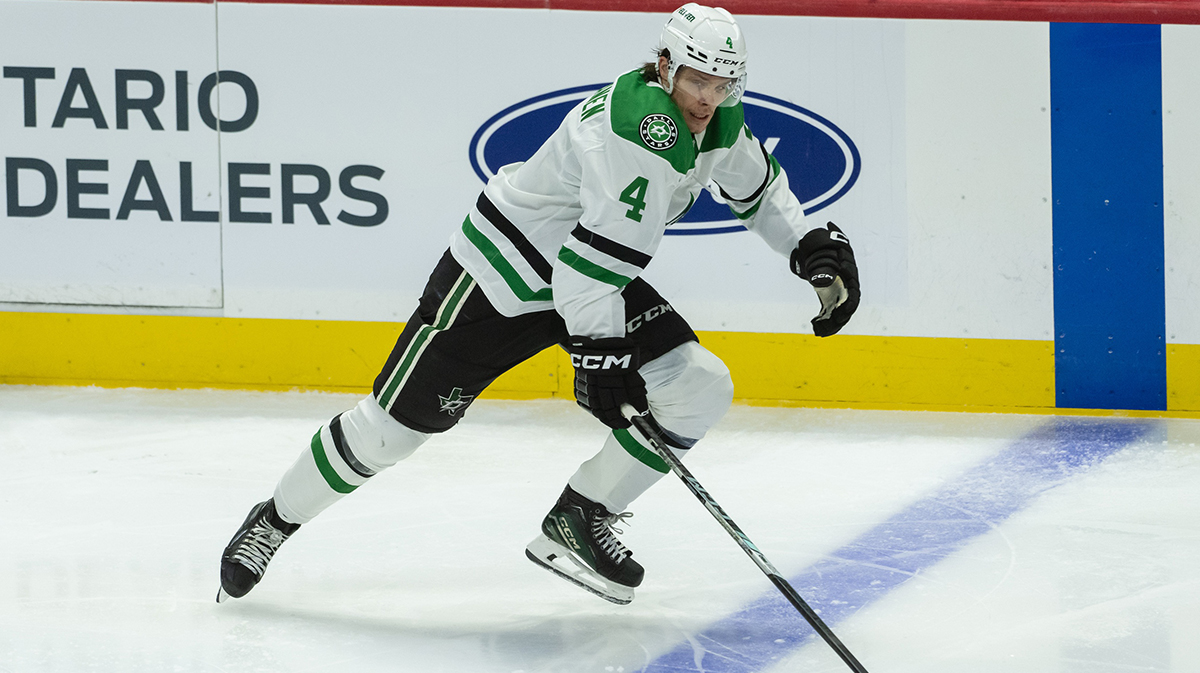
(723, 91)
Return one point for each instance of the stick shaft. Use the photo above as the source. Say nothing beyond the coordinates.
(814, 620)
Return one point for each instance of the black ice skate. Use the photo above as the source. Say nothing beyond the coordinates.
(577, 544)
(246, 558)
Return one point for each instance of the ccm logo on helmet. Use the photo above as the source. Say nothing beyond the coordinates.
(725, 61)
(601, 361)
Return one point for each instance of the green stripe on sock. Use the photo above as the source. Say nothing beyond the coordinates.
(648, 457)
(331, 476)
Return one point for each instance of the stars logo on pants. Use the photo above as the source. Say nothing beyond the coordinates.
(455, 401)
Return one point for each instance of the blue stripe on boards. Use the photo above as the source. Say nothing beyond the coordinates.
(913, 540)
(1107, 173)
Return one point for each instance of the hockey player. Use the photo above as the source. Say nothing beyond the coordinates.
(551, 254)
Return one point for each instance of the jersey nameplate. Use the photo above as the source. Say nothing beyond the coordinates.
(658, 132)
(595, 104)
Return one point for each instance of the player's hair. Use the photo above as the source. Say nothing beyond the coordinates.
(650, 68)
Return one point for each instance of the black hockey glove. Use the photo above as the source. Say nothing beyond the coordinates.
(606, 376)
(824, 258)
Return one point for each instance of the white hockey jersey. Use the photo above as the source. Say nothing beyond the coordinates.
(570, 227)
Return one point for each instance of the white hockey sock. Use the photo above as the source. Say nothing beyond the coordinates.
(318, 478)
(342, 456)
(689, 390)
(623, 470)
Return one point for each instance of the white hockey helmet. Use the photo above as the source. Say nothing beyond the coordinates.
(709, 40)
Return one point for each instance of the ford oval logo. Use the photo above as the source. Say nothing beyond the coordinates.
(822, 162)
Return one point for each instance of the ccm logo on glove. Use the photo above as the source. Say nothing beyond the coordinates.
(601, 362)
(606, 377)
(825, 259)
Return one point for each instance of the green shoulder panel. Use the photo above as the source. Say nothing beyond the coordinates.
(723, 130)
(645, 116)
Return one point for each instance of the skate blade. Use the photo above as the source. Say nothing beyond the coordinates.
(222, 596)
(559, 560)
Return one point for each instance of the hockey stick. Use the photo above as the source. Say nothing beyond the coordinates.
(814, 620)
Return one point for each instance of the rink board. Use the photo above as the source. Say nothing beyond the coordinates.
(950, 185)
(851, 371)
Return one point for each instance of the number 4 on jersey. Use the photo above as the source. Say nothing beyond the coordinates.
(635, 196)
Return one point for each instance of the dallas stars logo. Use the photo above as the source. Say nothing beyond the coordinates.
(658, 132)
(455, 401)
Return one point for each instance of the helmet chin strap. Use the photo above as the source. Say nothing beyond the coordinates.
(672, 67)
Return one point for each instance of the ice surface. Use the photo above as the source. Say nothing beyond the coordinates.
(931, 542)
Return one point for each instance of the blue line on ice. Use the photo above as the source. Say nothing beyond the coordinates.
(913, 540)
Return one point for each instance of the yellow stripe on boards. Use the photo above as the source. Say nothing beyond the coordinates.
(774, 369)
(887, 370)
(245, 354)
(1183, 377)
(191, 352)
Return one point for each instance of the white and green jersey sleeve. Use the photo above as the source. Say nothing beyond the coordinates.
(755, 187)
(570, 227)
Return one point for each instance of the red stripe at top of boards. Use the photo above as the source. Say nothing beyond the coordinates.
(1069, 11)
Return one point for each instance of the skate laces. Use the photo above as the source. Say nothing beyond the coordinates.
(603, 527)
(256, 549)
